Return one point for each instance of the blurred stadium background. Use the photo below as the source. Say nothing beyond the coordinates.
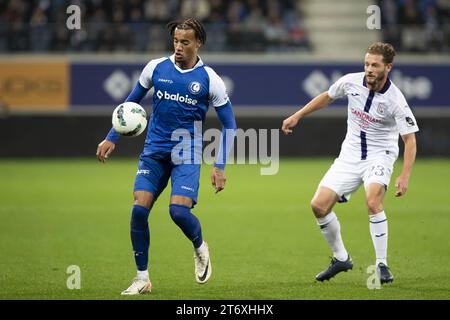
(274, 56)
(58, 88)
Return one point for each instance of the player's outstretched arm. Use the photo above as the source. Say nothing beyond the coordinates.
(321, 101)
(409, 157)
(226, 117)
(104, 149)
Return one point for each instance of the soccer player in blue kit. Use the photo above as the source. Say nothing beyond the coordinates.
(184, 87)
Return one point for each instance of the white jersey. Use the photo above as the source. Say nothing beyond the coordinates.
(375, 119)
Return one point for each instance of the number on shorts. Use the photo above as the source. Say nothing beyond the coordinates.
(378, 170)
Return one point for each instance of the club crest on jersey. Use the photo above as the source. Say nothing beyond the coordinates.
(380, 109)
(195, 87)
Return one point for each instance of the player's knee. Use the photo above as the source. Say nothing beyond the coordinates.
(143, 199)
(374, 205)
(319, 209)
(179, 213)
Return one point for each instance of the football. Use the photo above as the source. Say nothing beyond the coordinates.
(129, 119)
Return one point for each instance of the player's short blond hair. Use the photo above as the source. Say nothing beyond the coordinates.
(384, 49)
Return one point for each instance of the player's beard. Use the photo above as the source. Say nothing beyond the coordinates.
(376, 80)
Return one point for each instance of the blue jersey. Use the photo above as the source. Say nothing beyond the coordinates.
(181, 97)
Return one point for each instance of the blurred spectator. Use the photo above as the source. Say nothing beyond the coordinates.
(412, 26)
(298, 38)
(96, 26)
(235, 15)
(17, 28)
(255, 20)
(39, 34)
(416, 25)
(139, 25)
(216, 37)
(60, 34)
(195, 8)
(138, 29)
(275, 33)
(122, 33)
(158, 39)
(389, 16)
(158, 11)
(232, 25)
(433, 33)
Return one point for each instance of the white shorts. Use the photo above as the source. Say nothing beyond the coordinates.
(345, 176)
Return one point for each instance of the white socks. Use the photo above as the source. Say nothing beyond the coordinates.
(201, 249)
(331, 230)
(143, 275)
(379, 231)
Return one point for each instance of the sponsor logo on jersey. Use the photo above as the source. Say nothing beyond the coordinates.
(143, 171)
(365, 116)
(176, 97)
(188, 188)
(165, 80)
(195, 87)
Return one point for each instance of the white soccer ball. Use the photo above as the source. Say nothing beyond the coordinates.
(129, 119)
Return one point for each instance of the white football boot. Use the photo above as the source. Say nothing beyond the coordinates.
(138, 286)
(202, 264)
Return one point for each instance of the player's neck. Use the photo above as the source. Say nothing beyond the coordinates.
(378, 86)
(188, 64)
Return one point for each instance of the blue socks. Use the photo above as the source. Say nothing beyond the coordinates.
(140, 236)
(187, 222)
(140, 233)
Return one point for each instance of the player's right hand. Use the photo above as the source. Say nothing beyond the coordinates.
(289, 123)
(401, 185)
(104, 149)
(218, 179)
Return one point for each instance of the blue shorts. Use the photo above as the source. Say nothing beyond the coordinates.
(154, 172)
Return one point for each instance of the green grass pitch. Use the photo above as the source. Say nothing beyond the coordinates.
(263, 238)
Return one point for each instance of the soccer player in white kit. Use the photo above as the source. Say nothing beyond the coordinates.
(377, 114)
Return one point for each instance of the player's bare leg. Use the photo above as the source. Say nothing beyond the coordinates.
(181, 200)
(378, 228)
(180, 212)
(323, 202)
(322, 205)
(140, 238)
(144, 199)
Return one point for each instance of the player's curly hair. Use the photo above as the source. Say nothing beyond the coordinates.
(188, 24)
(384, 49)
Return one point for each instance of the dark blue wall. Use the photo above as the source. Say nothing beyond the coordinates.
(67, 136)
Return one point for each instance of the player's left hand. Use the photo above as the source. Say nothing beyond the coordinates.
(289, 124)
(401, 183)
(218, 179)
(104, 149)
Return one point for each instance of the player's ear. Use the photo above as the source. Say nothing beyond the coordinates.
(199, 44)
(389, 67)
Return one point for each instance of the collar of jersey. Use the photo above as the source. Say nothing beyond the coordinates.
(199, 64)
(385, 87)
